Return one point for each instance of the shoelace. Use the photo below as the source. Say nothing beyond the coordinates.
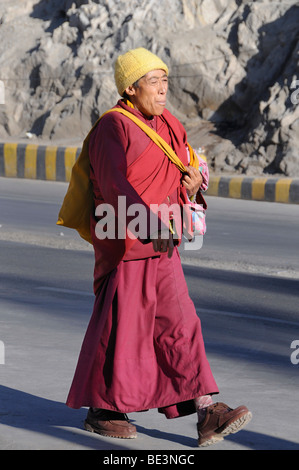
(218, 407)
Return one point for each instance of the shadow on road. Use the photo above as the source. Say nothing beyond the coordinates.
(54, 419)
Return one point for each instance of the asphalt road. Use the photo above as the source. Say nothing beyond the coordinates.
(245, 286)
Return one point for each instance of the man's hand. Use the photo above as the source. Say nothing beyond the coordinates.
(192, 180)
(163, 245)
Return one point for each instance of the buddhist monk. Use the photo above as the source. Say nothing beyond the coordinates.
(143, 347)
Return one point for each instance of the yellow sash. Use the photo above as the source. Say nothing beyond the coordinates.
(78, 202)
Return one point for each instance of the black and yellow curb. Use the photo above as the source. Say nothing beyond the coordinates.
(260, 188)
(55, 164)
(37, 161)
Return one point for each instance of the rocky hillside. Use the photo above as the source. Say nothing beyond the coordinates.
(234, 74)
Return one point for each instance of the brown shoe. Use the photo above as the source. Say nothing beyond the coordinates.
(109, 423)
(221, 420)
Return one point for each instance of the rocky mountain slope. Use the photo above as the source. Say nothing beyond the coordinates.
(234, 73)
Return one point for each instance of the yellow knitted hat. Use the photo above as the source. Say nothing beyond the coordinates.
(132, 65)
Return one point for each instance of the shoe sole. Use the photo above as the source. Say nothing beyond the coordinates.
(237, 424)
(230, 428)
(90, 428)
(214, 439)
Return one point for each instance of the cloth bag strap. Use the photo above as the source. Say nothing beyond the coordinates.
(159, 140)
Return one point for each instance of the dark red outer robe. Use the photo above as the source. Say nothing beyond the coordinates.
(143, 347)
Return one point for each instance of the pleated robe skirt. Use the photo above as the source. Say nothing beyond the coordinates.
(143, 347)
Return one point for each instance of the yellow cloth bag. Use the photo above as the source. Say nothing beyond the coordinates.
(78, 202)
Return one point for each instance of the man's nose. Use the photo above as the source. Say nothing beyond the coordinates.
(162, 88)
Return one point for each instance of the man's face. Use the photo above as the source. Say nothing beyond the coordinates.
(150, 95)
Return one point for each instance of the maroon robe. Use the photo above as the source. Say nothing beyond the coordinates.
(143, 347)
(126, 162)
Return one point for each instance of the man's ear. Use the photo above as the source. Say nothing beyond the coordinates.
(130, 90)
